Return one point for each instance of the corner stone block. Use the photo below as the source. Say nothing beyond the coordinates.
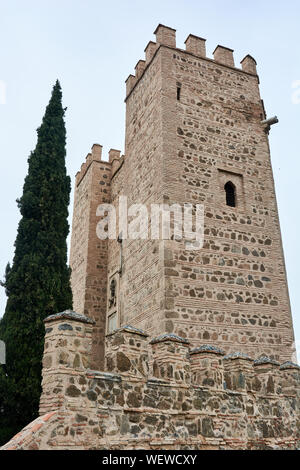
(195, 45)
(88, 159)
(68, 340)
(139, 68)
(266, 376)
(150, 51)
(238, 372)
(224, 55)
(206, 366)
(114, 159)
(67, 350)
(126, 352)
(130, 82)
(289, 378)
(170, 358)
(113, 155)
(97, 152)
(165, 36)
(249, 64)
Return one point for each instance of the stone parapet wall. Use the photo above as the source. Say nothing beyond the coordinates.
(68, 343)
(194, 45)
(158, 394)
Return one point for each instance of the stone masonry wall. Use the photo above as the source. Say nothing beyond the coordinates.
(88, 256)
(220, 375)
(183, 149)
(192, 124)
(158, 394)
(139, 179)
(233, 291)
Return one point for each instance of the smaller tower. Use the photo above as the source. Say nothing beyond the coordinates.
(88, 256)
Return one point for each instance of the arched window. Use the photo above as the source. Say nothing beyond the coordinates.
(230, 194)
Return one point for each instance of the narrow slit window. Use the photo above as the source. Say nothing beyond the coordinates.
(230, 194)
(178, 92)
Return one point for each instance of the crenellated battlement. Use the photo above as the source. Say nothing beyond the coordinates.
(195, 45)
(158, 393)
(94, 156)
(169, 357)
(114, 159)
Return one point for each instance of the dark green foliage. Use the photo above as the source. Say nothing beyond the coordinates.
(38, 282)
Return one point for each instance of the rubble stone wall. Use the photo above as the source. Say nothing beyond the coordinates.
(158, 394)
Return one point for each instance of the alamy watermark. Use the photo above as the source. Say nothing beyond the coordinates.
(155, 222)
(2, 92)
(296, 93)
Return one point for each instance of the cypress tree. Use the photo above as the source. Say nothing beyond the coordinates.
(38, 282)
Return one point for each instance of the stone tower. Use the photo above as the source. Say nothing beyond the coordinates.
(193, 338)
(195, 133)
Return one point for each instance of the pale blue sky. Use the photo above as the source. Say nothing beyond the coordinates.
(92, 46)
